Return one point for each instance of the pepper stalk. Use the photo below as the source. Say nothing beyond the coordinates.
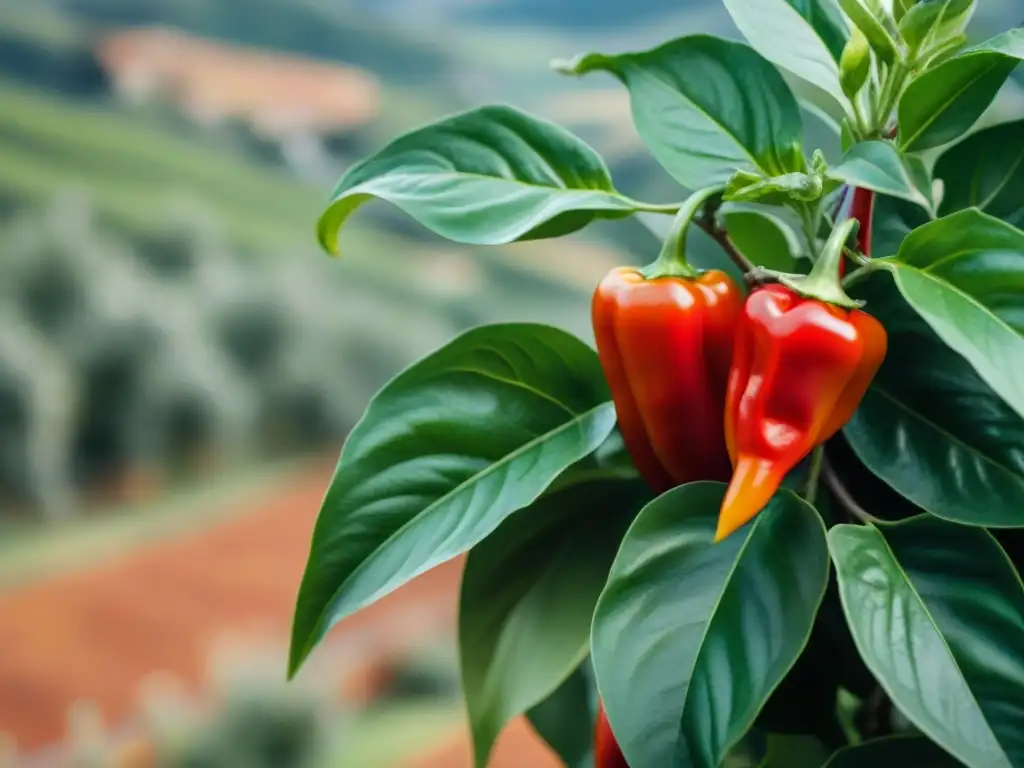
(823, 282)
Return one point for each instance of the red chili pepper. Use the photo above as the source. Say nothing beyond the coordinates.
(858, 204)
(801, 366)
(665, 344)
(607, 753)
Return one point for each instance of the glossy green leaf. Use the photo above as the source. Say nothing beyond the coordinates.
(986, 171)
(928, 24)
(487, 176)
(781, 32)
(872, 28)
(764, 238)
(878, 166)
(894, 219)
(528, 596)
(931, 428)
(941, 105)
(565, 719)
(937, 612)
(827, 20)
(706, 107)
(894, 752)
(964, 274)
(690, 638)
(445, 452)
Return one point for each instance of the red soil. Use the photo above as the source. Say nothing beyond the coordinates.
(96, 634)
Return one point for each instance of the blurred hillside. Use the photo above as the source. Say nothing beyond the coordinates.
(163, 163)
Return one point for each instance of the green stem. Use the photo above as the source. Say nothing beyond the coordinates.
(861, 121)
(890, 95)
(823, 282)
(814, 474)
(672, 262)
(858, 275)
(666, 208)
(809, 220)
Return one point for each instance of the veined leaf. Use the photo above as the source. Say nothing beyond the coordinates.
(445, 452)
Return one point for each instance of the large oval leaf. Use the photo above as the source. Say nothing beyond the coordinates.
(894, 752)
(876, 165)
(964, 274)
(937, 612)
(800, 36)
(986, 171)
(706, 107)
(528, 596)
(445, 452)
(931, 428)
(941, 105)
(894, 219)
(690, 638)
(488, 176)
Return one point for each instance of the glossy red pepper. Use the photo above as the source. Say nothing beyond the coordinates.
(607, 753)
(800, 368)
(665, 344)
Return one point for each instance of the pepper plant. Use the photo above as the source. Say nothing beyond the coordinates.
(773, 519)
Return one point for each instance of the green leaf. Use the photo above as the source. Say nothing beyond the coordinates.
(690, 638)
(528, 595)
(931, 428)
(929, 24)
(986, 171)
(942, 104)
(894, 752)
(783, 35)
(878, 166)
(488, 176)
(826, 19)
(964, 274)
(764, 238)
(937, 612)
(706, 107)
(894, 219)
(445, 452)
(565, 719)
(870, 25)
(794, 751)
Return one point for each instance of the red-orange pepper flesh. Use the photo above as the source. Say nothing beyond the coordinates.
(607, 753)
(666, 345)
(800, 369)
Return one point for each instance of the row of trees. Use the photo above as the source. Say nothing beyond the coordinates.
(164, 354)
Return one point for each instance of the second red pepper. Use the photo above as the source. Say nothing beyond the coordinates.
(800, 369)
(803, 359)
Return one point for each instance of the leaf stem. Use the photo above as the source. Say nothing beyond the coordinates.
(814, 474)
(667, 208)
(843, 496)
(717, 232)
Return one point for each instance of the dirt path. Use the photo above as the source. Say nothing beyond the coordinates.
(95, 633)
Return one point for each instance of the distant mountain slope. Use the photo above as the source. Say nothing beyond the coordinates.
(330, 29)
